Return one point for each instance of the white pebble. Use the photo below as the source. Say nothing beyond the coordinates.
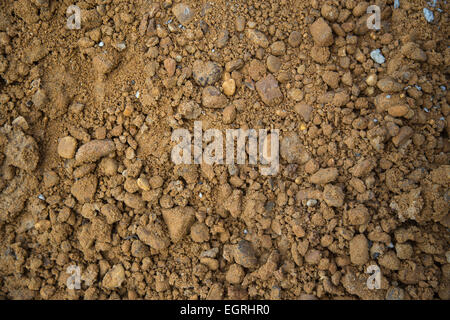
(101, 44)
(377, 56)
(311, 203)
(429, 16)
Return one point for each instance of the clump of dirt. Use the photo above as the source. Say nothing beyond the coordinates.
(87, 182)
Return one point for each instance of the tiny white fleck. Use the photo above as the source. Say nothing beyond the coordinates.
(101, 44)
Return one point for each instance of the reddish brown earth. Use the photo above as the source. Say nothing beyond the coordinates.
(87, 179)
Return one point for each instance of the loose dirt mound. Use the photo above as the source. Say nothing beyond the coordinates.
(88, 187)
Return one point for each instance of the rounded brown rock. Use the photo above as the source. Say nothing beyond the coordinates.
(359, 250)
(94, 150)
(67, 147)
(398, 111)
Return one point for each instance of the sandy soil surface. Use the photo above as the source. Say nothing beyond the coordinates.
(87, 182)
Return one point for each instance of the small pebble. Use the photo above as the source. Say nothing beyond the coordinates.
(229, 87)
(311, 203)
(128, 110)
(269, 90)
(322, 33)
(240, 24)
(94, 150)
(114, 277)
(67, 147)
(398, 110)
(295, 39)
(206, 73)
(129, 153)
(213, 98)
(183, 13)
(372, 80)
(170, 66)
(143, 184)
(429, 16)
(244, 254)
(229, 114)
(377, 56)
(121, 46)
